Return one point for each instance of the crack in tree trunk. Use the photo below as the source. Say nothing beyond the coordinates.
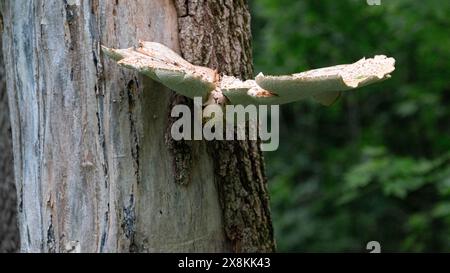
(9, 233)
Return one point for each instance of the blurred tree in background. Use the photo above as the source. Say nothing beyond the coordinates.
(376, 164)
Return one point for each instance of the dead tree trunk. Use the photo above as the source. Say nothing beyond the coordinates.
(9, 233)
(94, 167)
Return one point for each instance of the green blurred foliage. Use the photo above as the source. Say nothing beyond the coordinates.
(376, 164)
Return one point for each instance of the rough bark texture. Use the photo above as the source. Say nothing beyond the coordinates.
(217, 34)
(93, 167)
(9, 232)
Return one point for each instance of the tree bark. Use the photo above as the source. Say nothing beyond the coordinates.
(94, 167)
(9, 233)
(217, 34)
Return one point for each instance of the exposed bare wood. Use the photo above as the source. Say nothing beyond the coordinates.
(91, 159)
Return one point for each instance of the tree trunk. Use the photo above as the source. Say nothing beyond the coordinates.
(9, 233)
(94, 166)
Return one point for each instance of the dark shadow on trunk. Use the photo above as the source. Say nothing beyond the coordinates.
(9, 233)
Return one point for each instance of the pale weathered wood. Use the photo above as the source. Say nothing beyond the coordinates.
(91, 160)
(94, 167)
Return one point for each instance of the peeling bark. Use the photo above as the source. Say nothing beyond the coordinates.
(91, 155)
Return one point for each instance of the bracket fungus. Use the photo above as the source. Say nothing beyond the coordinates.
(323, 85)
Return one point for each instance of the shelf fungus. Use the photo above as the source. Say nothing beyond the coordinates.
(324, 85)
